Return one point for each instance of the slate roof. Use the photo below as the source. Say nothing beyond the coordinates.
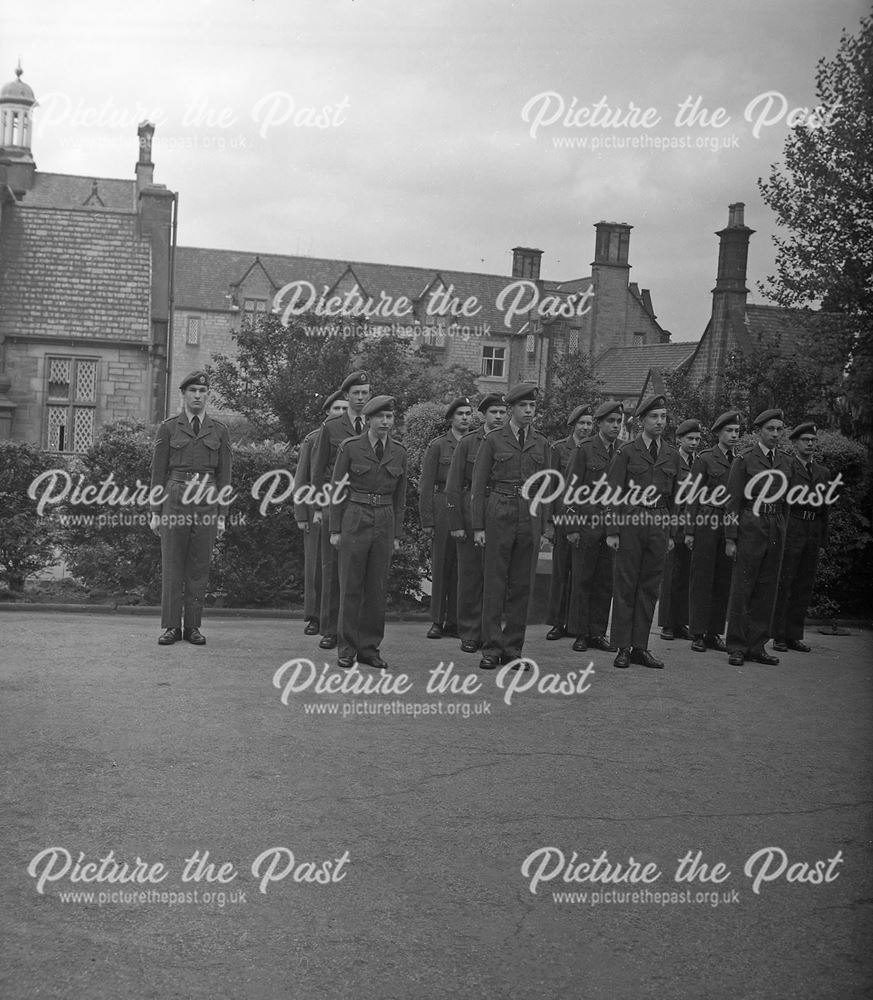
(775, 326)
(624, 370)
(70, 191)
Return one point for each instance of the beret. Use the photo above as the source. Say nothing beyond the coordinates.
(730, 417)
(521, 392)
(356, 378)
(378, 404)
(331, 399)
(610, 406)
(456, 404)
(766, 415)
(493, 399)
(652, 403)
(580, 411)
(194, 378)
(689, 427)
(805, 428)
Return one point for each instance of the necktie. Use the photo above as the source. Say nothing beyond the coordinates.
(770, 457)
(610, 451)
(730, 456)
(653, 450)
(359, 425)
(195, 423)
(521, 438)
(380, 449)
(809, 469)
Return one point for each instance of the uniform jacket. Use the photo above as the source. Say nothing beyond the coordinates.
(177, 448)
(587, 463)
(434, 472)
(820, 478)
(712, 466)
(333, 432)
(461, 476)
(357, 460)
(303, 475)
(634, 465)
(747, 464)
(500, 460)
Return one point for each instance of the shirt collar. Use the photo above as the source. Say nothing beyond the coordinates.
(647, 441)
(191, 416)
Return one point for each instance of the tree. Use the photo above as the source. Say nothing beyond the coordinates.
(573, 381)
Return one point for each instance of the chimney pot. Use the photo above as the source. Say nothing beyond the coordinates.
(526, 263)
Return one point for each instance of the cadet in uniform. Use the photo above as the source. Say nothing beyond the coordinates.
(304, 515)
(366, 525)
(581, 420)
(591, 596)
(192, 445)
(435, 520)
(641, 536)
(805, 535)
(754, 540)
(503, 523)
(673, 598)
(335, 430)
(710, 577)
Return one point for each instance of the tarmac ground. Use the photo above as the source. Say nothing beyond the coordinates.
(225, 823)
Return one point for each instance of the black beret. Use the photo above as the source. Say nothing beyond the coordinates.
(356, 378)
(805, 428)
(652, 403)
(730, 417)
(610, 406)
(689, 427)
(331, 399)
(581, 411)
(378, 404)
(522, 392)
(766, 415)
(194, 378)
(493, 399)
(454, 405)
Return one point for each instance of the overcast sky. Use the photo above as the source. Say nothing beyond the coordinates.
(428, 133)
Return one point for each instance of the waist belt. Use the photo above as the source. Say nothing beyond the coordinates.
(181, 476)
(765, 508)
(805, 515)
(712, 506)
(374, 499)
(508, 489)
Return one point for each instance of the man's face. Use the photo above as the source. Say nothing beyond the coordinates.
(770, 433)
(524, 412)
(195, 397)
(461, 418)
(654, 422)
(690, 442)
(610, 426)
(358, 396)
(338, 407)
(494, 417)
(381, 422)
(729, 435)
(804, 446)
(582, 427)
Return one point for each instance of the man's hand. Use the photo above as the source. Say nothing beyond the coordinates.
(303, 525)
(730, 548)
(428, 532)
(460, 534)
(316, 517)
(612, 542)
(335, 539)
(671, 544)
(689, 542)
(396, 544)
(479, 538)
(155, 524)
(573, 538)
(222, 524)
(549, 533)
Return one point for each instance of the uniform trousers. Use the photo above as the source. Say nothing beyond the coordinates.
(470, 576)
(330, 587)
(561, 581)
(444, 566)
(312, 571)
(797, 576)
(366, 545)
(509, 567)
(188, 533)
(638, 566)
(591, 595)
(709, 582)
(673, 596)
(753, 582)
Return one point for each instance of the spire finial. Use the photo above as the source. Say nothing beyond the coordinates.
(19, 70)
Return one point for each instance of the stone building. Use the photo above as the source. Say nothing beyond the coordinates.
(85, 290)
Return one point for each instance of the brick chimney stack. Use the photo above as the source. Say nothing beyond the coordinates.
(526, 263)
(145, 169)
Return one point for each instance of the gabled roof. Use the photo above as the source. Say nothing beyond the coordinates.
(69, 191)
(777, 327)
(624, 370)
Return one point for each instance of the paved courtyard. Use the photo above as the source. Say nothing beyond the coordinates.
(151, 794)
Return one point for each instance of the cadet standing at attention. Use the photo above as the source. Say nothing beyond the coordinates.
(189, 446)
(592, 557)
(304, 515)
(710, 577)
(356, 389)
(435, 520)
(581, 420)
(806, 534)
(673, 599)
(366, 526)
(503, 523)
(754, 539)
(470, 562)
(640, 535)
